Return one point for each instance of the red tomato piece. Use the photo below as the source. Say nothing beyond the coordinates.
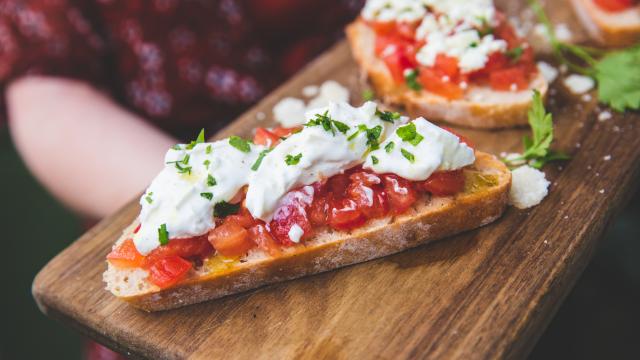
(338, 184)
(506, 79)
(370, 201)
(126, 255)
(292, 210)
(434, 81)
(319, 210)
(400, 193)
(345, 215)
(265, 137)
(366, 178)
(135, 231)
(261, 236)
(188, 248)
(406, 30)
(230, 239)
(447, 65)
(283, 131)
(169, 271)
(397, 63)
(444, 183)
(614, 5)
(382, 27)
(243, 218)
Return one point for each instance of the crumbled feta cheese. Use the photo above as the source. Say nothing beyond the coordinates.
(579, 84)
(607, 157)
(330, 91)
(604, 116)
(310, 90)
(586, 97)
(549, 72)
(563, 33)
(295, 233)
(528, 187)
(289, 111)
(393, 10)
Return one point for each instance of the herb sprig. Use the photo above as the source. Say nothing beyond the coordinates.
(328, 124)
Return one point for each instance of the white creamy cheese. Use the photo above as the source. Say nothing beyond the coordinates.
(289, 112)
(320, 154)
(438, 150)
(394, 10)
(295, 233)
(180, 199)
(528, 187)
(548, 72)
(579, 84)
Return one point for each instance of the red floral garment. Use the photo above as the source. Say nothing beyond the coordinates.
(182, 64)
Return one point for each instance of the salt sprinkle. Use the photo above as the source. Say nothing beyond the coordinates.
(586, 97)
(607, 157)
(604, 116)
(601, 191)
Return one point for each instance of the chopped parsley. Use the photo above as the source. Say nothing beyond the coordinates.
(374, 160)
(411, 78)
(409, 134)
(206, 164)
(207, 195)
(240, 143)
(368, 95)
(223, 209)
(373, 135)
(208, 150)
(176, 147)
(387, 116)
(389, 147)
(328, 124)
(211, 181)
(184, 161)
(515, 54)
(198, 140)
(163, 234)
(409, 156)
(148, 197)
(293, 160)
(256, 164)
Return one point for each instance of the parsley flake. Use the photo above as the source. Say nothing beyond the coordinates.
(293, 160)
(389, 147)
(206, 164)
(256, 164)
(163, 234)
(514, 54)
(368, 95)
(409, 134)
(328, 124)
(374, 160)
(207, 195)
(211, 181)
(148, 197)
(240, 143)
(388, 116)
(198, 140)
(409, 156)
(208, 150)
(223, 209)
(411, 78)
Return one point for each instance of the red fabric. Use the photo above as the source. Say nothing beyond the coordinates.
(181, 64)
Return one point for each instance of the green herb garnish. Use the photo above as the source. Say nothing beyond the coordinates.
(206, 164)
(207, 195)
(256, 164)
(198, 140)
(409, 134)
(411, 78)
(208, 149)
(223, 209)
(211, 181)
(373, 135)
(368, 95)
(163, 234)
(240, 143)
(387, 116)
(148, 197)
(389, 147)
(327, 123)
(293, 160)
(409, 156)
(515, 54)
(374, 160)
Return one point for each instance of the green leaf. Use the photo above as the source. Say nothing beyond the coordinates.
(240, 143)
(409, 134)
(618, 77)
(223, 209)
(373, 135)
(374, 160)
(411, 78)
(198, 140)
(206, 164)
(409, 156)
(368, 95)
(207, 195)
(293, 160)
(211, 181)
(342, 127)
(208, 150)
(256, 164)
(387, 116)
(515, 54)
(389, 147)
(148, 197)
(163, 234)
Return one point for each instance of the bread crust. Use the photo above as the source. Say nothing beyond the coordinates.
(435, 219)
(609, 29)
(481, 107)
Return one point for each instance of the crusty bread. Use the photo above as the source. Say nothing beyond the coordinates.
(432, 219)
(612, 29)
(481, 106)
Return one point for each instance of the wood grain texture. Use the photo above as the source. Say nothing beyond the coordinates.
(488, 293)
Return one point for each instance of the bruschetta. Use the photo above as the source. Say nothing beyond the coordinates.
(352, 184)
(455, 61)
(613, 23)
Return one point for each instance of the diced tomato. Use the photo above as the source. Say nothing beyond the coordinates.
(135, 231)
(406, 30)
(382, 27)
(265, 137)
(283, 131)
(188, 248)
(463, 139)
(447, 65)
(504, 79)
(369, 200)
(168, 271)
(400, 193)
(338, 184)
(506, 32)
(397, 63)
(126, 255)
(261, 237)
(319, 210)
(614, 5)
(434, 81)
(444, 183)
(292, 210)
(365, 178)
(345, 215)
(243, 218)
(230, 239)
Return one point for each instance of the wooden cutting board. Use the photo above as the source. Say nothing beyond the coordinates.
(487, 293)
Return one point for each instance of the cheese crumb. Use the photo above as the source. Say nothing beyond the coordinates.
(548, 72)
(310, 90)
(528, 187)
(289, 111)
(607, 157)
(295, 233)
(578, 84)
(604, 116)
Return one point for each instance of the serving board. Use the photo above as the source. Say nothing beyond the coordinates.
(487, 293)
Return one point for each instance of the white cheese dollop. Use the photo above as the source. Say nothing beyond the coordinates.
(548, 72)
(528, 187)
(322, 154)
(394, 10)
(289, 112)
(438, 150)
(175, 199)
(579, 84)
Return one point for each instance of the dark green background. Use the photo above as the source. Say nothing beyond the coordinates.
(600, 318)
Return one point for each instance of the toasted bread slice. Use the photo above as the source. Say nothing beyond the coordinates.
(481, 106)
(483, 201)
(612, 29)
